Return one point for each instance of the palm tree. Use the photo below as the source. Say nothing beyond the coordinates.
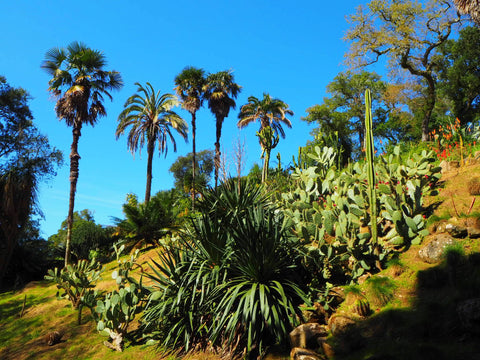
(80, 84)
(271, 113)
(470, 7)
(190, 88)
(150, 116)
(220, 91)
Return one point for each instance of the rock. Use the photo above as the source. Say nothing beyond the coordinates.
(473, 233)
(364, 278)
(328, 350)
(433, 251)
(440, 227)
(456, 231)
(469, 313)
(449, 165)
(305, 354)
(340, 323)
(316, 315)
(53, 338)
(308, 336)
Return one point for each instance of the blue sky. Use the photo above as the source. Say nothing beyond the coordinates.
(291, 50)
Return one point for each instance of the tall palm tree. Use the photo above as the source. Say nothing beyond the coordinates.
(79, 82)
(470, 7)
(150, 116)
(189, 86)
(271, 113)
(220, 91)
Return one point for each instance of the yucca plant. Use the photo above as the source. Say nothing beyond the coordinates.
(259, 303)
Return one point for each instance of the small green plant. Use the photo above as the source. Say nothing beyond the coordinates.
(77, 282)
(380, 290)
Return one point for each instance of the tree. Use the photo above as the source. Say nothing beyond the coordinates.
(79, 82)
(408, 33)
(459, 78)
(182, 170)
(220, 91)
(25, 158)
(87, 235)
(341, 115)
(146, 223)
(470, 7)
(150, 117)
(271, 113)
(189, 87)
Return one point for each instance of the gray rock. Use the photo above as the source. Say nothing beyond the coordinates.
(305, 354)
(308, 336)
(473, 233)
(433, 251)
(449, 165)
(456, 231)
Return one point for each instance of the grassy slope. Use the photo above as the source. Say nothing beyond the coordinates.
(406, 327)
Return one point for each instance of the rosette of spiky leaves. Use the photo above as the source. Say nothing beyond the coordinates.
(180, 310)
(260, 303)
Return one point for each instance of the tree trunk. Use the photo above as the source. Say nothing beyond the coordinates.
(194, 164)
(217, 147)
(74, 160)
(148, 188)
(429, 106)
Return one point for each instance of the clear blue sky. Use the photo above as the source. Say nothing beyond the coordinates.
(291, 50)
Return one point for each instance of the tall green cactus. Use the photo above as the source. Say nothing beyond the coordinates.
(370, 151)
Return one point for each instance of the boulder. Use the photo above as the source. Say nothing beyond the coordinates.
(473, 233)
(340, 323)
(308, 336)
(433, 251)
(456, 231)
(305, 354)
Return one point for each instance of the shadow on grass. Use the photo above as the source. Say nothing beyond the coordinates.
(431, 328)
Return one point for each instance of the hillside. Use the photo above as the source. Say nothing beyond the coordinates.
(416, 320)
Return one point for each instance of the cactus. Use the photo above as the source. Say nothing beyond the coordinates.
(118, 309)
(78, 283)
(369, 149)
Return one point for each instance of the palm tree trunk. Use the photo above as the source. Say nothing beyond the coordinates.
(194, 165)
(217, 148)
(74, 160)
(150, 150)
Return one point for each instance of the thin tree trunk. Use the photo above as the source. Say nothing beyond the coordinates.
(194, 165)
(217, 148)
(74, 160)
(429, 106)
(150, 150)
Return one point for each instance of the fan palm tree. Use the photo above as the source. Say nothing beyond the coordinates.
(150, 117)
(79, 82)
(189, 86)
(470, 7)
(220, 91)
(271, 113)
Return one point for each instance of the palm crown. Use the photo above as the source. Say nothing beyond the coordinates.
(150, 118)
(80, 83)
(269, 111)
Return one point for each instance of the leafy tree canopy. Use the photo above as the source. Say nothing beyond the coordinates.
(86, 235)
(460, 74)
(408, 34)
(182, 170)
